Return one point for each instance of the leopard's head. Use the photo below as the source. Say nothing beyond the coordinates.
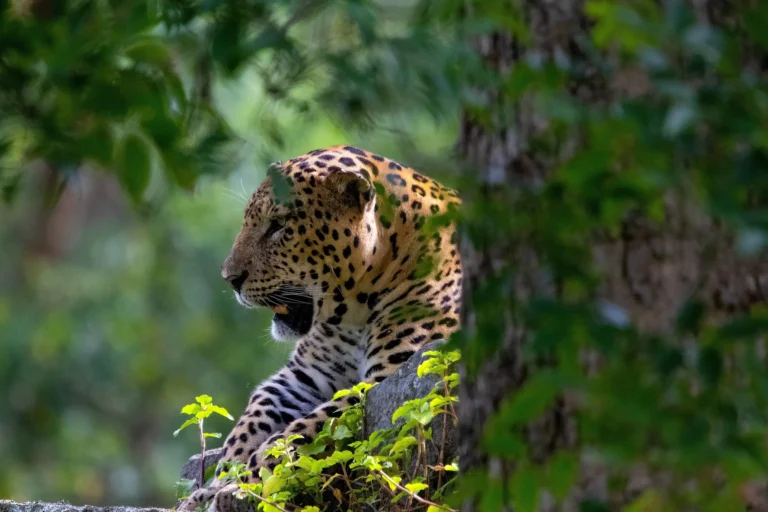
(294, 251)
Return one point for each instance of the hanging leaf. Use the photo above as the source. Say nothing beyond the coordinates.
(133, 165)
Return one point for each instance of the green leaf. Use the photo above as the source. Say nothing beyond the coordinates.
(424, 414)
(341, 432)
(341, 393)
(363, 387)
(453, 356)
(98, 145)
(416, 487)
(221, 412)
(182, 168)
(396, 479)
(341, 456)
(288, 440)
(203, 399)
(133, 165)
(402, 444)
(563, 471)
(402, 411)
(438, 404)
(281, 185)
(429, 366)
(525, 490)
(536, 396)
(190, 421)
(190, 409)
(311, 449)
(203, 413)
(272, 485)
(212, 434)
(501, 441)
(492, 495)
(264, 473)
(150, 50)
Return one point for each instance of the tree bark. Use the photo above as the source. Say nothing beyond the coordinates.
(649, 270)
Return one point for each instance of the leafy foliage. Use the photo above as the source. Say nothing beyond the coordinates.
(672, 139)
(388, 470)
(100, 83)
(200, 410)
(128, 86)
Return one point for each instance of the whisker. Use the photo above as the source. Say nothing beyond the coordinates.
(234, 195)
(245, 194)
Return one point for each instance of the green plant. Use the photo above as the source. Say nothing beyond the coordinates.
(199, 411)
(390, 466)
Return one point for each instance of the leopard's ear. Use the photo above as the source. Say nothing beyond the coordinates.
(352, 187)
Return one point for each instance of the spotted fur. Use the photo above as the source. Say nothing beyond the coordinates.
(367, 284)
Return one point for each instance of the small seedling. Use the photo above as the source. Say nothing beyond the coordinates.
(200, 410)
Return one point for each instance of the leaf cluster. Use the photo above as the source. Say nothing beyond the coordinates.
(387, 470)
(200, 410)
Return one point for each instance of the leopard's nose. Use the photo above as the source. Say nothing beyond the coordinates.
(236, 280)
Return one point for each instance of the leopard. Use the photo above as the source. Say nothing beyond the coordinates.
(357, 257)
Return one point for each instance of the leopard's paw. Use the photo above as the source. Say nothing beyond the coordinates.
(226, 501)
(198, 500)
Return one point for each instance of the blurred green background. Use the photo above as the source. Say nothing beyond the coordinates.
(132, 133)
(113, 318)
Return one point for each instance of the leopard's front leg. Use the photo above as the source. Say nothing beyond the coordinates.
(280, 400)
(308, 427)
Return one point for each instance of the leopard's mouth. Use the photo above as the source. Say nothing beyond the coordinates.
(293, 308)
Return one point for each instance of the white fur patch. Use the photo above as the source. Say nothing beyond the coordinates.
(281, 332)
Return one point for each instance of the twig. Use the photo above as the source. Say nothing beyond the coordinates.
(202, 455)
(441, 457)
(349, 484)
(268, 502)
(413, 494)
(389, 491)
(424, 458)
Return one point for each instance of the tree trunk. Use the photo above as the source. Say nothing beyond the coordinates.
(649, 270)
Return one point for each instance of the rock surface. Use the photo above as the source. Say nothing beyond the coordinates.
(37, 506)
(191, 468)
(403, 385)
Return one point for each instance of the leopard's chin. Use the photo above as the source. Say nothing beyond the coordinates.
(283, 332)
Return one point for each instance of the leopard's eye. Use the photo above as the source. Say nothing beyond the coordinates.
(275, 225)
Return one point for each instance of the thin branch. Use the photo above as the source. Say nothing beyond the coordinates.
(269, 502)
(441, 457)
(413, 494)
(202, 454)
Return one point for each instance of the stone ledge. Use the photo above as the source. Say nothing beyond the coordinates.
(37, 506)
